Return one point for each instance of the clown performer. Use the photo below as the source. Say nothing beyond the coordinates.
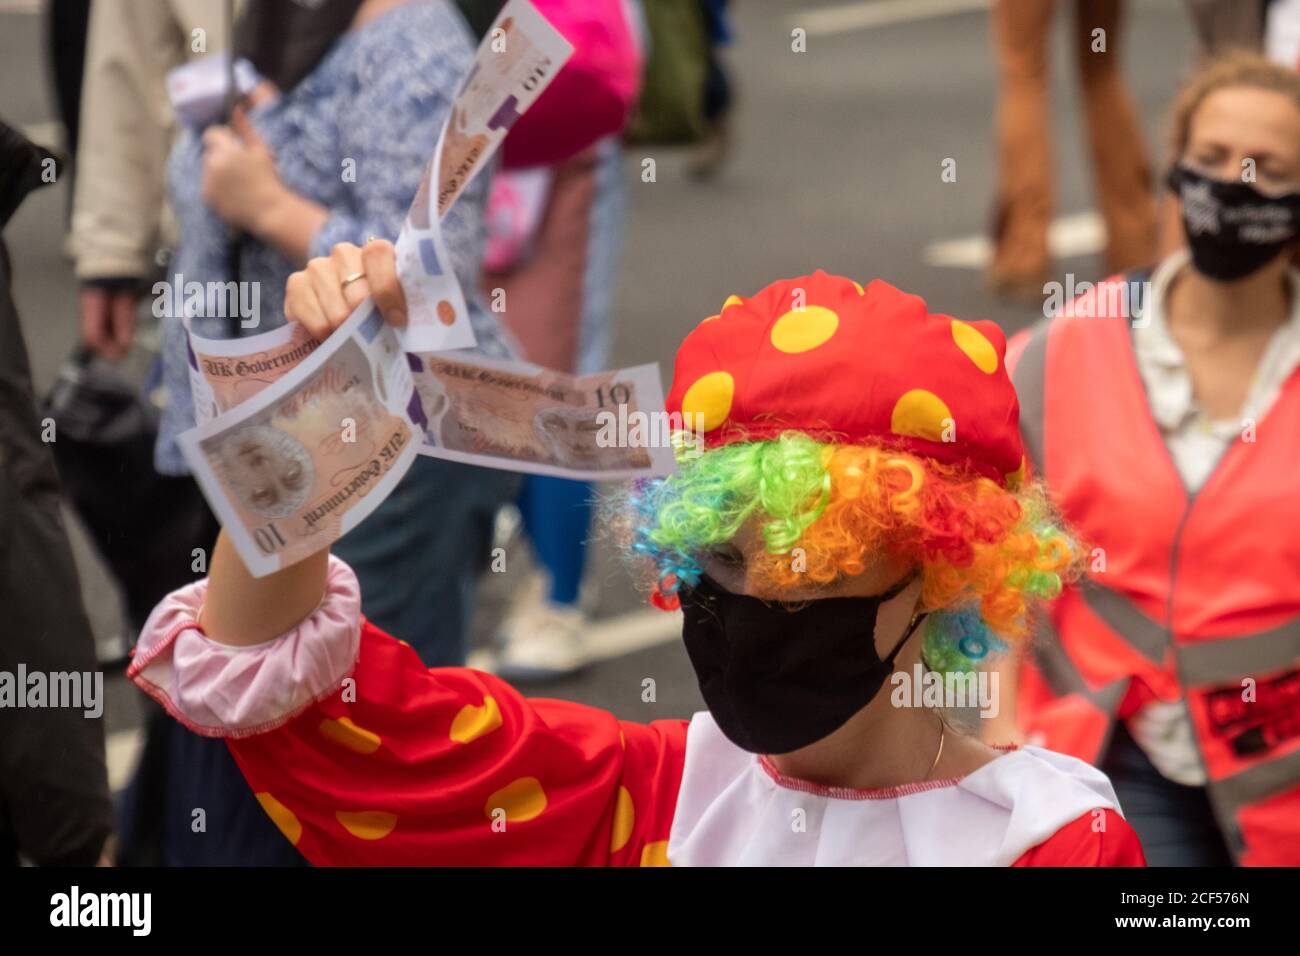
(858, 510)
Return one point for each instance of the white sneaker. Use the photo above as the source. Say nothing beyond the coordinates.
(541, 641)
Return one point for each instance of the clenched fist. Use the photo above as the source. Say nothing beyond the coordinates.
(318, 297)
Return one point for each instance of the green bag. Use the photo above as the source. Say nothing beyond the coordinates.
(671, 108)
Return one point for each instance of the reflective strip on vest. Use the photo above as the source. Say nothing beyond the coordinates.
(1257, 783)
(1063, 676)
(1226, 659)
(1219, 661)
(1144, 634)
(1200, 663)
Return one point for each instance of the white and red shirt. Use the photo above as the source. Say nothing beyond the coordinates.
(362, 755)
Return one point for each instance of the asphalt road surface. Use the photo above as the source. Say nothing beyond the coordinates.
(836, 165)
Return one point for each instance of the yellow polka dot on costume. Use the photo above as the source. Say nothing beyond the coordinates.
(731, 300)
(708, 318)
(522, 800)
(347, 734)
(367, 824)
(1016, 478)
(977, 348)
(655, 854)
(624, 817)
(802, 329)
(858, 286)
(710, 395)
(920, 414)
(281, 816)
(473, 722)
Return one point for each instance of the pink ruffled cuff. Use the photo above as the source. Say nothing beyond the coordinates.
(222, 691)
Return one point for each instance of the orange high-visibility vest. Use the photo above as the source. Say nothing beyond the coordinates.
(1194, 595)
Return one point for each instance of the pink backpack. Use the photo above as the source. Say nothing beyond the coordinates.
(594, 93)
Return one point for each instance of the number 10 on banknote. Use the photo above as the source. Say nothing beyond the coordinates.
(303, 461)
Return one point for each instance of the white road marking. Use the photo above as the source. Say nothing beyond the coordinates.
(1080, 234)
(614, 637)
(849, 17)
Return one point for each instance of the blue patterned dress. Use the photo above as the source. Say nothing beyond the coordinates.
(377, 99)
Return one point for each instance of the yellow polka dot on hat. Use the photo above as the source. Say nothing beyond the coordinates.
(829, 356)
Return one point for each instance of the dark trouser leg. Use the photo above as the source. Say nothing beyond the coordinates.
(419, 556)
(54, 801)
(1175, 823)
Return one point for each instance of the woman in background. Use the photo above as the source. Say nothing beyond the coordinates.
(1171, 446)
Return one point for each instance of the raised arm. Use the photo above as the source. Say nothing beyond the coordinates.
(361, 754)
(240, 609)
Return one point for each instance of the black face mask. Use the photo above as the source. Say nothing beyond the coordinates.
(1232, 228)
(777, 679)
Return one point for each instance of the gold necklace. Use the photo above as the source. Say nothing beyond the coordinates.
(939, 753)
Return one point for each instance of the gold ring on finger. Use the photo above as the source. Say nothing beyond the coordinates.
(348, 280)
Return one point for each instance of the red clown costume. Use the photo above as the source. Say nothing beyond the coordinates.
(362, 755)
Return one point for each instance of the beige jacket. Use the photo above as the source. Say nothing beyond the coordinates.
(119, 216)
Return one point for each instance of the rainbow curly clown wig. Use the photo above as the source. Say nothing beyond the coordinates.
(845, 423)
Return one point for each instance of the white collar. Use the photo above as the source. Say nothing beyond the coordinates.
(733, 811)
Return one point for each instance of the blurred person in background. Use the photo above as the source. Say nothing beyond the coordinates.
(719, 95)
(367, 82)
(556, 231)
(120, 217)
(1271, 27)
(66, 24)
(361, 84)
(121, 229)
(1171, 446)
(1022, 28)
(1223, 26)
(558, 298)
(54, 802)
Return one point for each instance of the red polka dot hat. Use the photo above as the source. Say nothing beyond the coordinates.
(822, 355)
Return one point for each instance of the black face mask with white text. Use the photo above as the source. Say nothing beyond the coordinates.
(777, 679)
(1232, 228)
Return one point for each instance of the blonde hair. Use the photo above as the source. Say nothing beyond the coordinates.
(1236, 68)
